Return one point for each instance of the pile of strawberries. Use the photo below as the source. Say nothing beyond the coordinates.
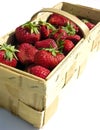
(42, 45)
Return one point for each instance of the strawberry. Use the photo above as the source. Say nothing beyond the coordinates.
(69, 28)
(74, 38)
(38, 70)
(59, 34)
(88, 23)
(65, 32)
(72, 33)
(26, 53)
(47, 43)
(68, 45)
(7, 55)
(46, 29)
(48, 58)
(59, 20)
(27, 32)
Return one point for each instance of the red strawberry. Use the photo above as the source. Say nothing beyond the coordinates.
(27, 33)
(59, 34)
(48, 58)
(46, 29)
(68, 46)
(26, 53)
(59, 20)
(74, 38)
(47, 43)
(88, 23)
(72, 33)
(7, 55)
(38, 70)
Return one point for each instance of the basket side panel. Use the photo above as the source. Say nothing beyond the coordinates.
(50, 110)
(62, 74)
(9, 89)
(32, 93)
(17, 86)
(30, 115)
(82, 11)
(94, 37)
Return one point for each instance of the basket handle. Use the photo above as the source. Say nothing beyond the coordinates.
(73, 18)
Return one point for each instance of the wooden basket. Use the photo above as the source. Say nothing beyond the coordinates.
(34, 99)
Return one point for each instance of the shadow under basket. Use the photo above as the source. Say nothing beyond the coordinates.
(34, 99)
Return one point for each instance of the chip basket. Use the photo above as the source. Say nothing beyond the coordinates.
(34, 99)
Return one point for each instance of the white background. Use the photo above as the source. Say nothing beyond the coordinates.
(79, 105)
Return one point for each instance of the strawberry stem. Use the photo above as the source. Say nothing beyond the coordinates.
(9, 51)
(49, 26)
(52, 50)
(32, 26)
(69, 29)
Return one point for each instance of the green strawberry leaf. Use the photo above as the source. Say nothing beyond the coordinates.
(32, 26)
(69, 29)
(52, 50)
(60, 44)
(49, 26)
(9, 51)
